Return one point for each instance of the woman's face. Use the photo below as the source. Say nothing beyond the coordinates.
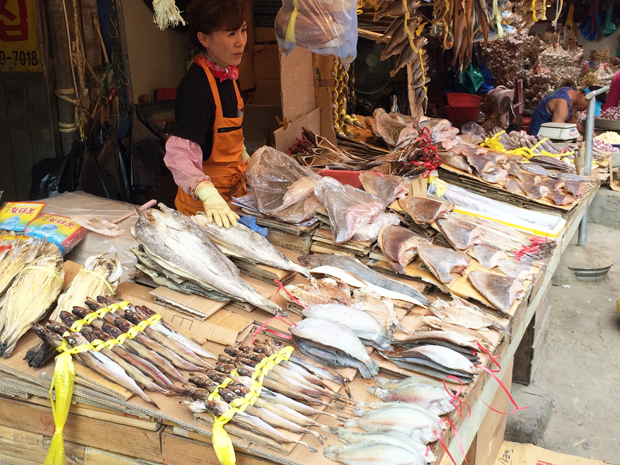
(225, 47)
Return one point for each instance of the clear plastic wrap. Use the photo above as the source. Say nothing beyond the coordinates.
(441, 129)
(387, 127)
(326, 27)
(79, 203)
(284, 189)
(348, 208)
(474, 129)
(370, 231)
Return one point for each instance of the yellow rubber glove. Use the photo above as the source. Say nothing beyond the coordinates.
(245, 156)
(216, 207)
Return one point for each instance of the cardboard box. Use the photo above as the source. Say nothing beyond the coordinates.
(246, 72)
(297, 75)
(264, 34)
(268, 92)
(267, 62)
(511, 453)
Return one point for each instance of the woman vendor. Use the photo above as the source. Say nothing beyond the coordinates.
(206, 153)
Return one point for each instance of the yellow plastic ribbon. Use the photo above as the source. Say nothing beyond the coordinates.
(42, 268)
(290, 29)
(406, 24)
(421, 56)
(439, 185)
(105, 281)
(534, 16)
(555, 21)
(498, 19)
(493, 142)
(63, 380)
(221, 441)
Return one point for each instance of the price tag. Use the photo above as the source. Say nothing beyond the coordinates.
(19, 36)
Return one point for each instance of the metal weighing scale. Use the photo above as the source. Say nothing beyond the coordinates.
(560, 134)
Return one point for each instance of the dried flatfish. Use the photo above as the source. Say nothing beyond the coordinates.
(461, 234)
(501, 291)
(424, 210)
(488, 255)
(442, 261)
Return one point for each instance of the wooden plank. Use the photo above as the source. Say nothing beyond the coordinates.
(19, 136)
(121, 439)
(7, 183)
(21, 447)
(180, 451)
(41, 130)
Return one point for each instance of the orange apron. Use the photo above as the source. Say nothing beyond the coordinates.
(224, 166)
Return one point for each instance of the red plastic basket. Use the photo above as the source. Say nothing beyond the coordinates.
(344, 176)
(456, 99)
(462, 115)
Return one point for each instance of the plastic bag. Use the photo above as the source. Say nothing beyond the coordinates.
(326, 27)
(284, 189)
(348, 208)
(474, 129)
(53, 176)
(106, 168)
(370, 231)
(387, 127)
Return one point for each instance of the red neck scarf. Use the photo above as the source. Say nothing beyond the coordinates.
(230, 72)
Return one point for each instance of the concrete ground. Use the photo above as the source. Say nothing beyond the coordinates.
(581, 369)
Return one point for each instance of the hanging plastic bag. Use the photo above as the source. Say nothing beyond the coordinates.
(326, 27)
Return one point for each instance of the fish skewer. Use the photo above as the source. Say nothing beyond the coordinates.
(100, 363)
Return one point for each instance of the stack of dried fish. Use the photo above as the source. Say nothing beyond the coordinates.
(331, 291)
(409, 49)
(317, 152)
(34, 290)
(180, 253)
(152, 359)
(289, 392)
(245, 244)
(358, 275)
(15, 254)
(100, 276)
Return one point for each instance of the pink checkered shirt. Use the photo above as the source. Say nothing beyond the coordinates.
(184, 160)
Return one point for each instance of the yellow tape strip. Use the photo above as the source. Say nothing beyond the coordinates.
(105, 281)
(498, 19)
(88, 319)
(42, 268)
(555, 21)
(534, 16)
(221, 441)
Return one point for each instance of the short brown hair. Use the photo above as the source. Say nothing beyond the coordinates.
(208, 16)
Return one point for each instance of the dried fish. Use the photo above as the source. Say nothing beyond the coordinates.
(441, 261)
(384, 187)
(380, 453)
(433, 398)
(346, 349)
(519, 269)
(399, 245)
(245, 243)
(468, 316)
(424, 210)
(461, 234)
(488, 255)
(179, 245)
(501, 291)
(30, 296)
(363, 325)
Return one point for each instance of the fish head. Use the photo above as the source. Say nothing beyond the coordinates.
(247, 362)
(93, 304)
(47, 336)
(243, 371)
(123, 324)
(216, 376)
(230, 351)
(81, 312)
(228, 395)
(102, 335)
(88, 334)
(224, 359)
(111, 330)
(239, 389)
(57, 327)
(145, 311)
(217, 408)
(133, 317)
(225, 368)
(68, 318)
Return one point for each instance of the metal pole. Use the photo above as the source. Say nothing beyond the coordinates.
(587, 165)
